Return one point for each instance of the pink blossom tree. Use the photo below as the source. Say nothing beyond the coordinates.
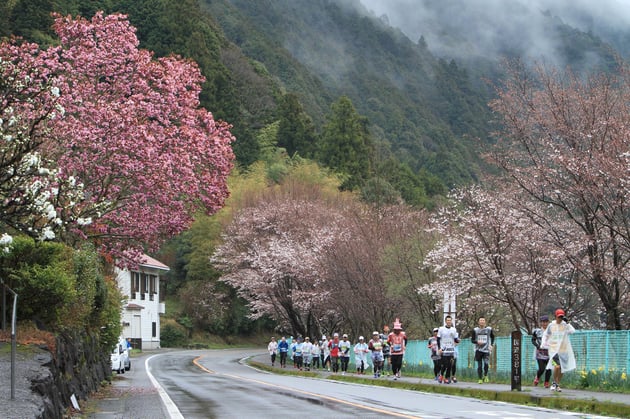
(315, 261)
(113, 145)
(272, 255)
(376, 271)
(566, 144)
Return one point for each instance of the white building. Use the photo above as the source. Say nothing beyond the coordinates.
(141, 313)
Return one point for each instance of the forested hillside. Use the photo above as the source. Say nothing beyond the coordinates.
(426, 113)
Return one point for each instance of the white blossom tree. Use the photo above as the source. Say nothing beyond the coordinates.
(565, 143)
(272, 255)
(492, 256)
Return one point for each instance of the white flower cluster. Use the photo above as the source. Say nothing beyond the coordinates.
(6, 241)
(47, 233)
(84, 221)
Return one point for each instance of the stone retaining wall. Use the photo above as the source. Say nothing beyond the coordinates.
(78, 367)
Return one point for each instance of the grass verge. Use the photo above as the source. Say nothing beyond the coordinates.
(555, 401)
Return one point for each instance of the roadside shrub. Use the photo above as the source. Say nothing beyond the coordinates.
(110, 314)
(60, 288)
(172, 334)
(41, 274)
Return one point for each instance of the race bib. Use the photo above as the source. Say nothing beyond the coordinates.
(448, 343)
(397, 347)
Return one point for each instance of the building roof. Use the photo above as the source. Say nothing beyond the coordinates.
(133, 306)
(149, 262)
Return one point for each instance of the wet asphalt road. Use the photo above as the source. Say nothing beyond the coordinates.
(214, 384)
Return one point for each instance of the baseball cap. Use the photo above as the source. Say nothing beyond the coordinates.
(361, 338)
(559, 312)
(435, 329)
(374, 333)
(345, 335)
(544, 318)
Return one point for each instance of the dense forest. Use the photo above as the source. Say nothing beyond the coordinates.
(322, 81)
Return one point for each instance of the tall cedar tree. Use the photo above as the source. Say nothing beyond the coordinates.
(346, 145)
(296, 132)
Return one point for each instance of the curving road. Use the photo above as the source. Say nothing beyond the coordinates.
(214, 384)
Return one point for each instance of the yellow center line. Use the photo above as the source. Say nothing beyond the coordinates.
(308, 393)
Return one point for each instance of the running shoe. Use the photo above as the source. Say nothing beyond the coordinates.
(554, 387)
(486, 379)
(480, 381)
(440, 379)
(536, 381)
(546, 384)
(454, 379)
(446, 381)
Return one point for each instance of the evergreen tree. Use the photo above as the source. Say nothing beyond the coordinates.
(402, 178)
(346, 145)
(5, 28)
(31, 19)
(296, 132)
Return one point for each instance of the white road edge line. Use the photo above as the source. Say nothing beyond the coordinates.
(171, 407)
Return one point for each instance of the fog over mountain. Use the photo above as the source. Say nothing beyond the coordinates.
(469, 29)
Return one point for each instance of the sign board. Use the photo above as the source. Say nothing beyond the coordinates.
(516, 360)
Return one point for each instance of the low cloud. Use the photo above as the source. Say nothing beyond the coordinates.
(490, 28)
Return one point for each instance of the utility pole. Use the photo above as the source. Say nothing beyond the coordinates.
(13, 331)
(449, 306)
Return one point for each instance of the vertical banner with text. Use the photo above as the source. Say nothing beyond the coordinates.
(516, 360)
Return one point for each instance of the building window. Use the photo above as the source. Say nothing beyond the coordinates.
(154, 329)
(152, 286)
(135, 284)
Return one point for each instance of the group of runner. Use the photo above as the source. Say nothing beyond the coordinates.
(443, 347)
(553, 351)
(334, 354)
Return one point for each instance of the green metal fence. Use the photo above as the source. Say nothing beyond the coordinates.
(595, 350)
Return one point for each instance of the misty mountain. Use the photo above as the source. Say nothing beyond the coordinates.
(423, 111)
(582, 34)
(416, 69)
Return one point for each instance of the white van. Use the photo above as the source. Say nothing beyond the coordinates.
(120, 357)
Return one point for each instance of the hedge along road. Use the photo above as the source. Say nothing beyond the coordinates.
(215, 383)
